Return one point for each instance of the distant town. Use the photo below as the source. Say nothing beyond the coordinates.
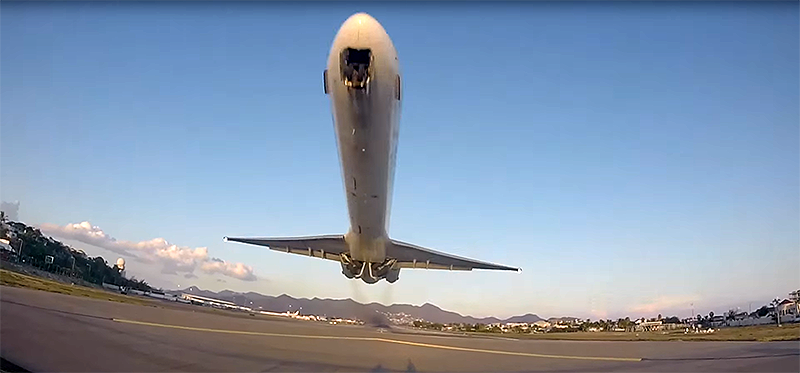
(24, 249)
(779, 311)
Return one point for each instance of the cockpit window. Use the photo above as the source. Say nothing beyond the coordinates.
(358, 56)
(355, 67)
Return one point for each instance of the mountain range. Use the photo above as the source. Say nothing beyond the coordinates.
(348, 308)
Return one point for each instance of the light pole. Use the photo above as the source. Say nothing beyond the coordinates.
(775, 304)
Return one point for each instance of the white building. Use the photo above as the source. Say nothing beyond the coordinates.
(788, 309)
(542, 324)
(218, 303)
(5, 245)
(648, 326)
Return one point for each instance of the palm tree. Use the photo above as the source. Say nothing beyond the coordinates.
(775, 302)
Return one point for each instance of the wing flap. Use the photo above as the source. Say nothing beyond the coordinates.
(413, 256)
(324, 247)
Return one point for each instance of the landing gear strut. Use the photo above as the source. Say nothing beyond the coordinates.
(369, 272)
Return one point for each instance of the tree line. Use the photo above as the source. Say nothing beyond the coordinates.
(32, 245)
(578, 326)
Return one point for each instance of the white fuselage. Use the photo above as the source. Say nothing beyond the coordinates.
(362, 77)
(366, 121)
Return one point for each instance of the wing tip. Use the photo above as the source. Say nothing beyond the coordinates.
(225, 239)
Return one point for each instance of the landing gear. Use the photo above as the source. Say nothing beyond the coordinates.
(393, 275)
(369, 272)
(346, 271)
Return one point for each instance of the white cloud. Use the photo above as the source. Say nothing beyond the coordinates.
(236, 270)
(173, 258)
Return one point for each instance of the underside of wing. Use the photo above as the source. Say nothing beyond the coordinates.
(325, 247)
(413, 256)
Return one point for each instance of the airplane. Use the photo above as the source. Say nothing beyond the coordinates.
(363, 81)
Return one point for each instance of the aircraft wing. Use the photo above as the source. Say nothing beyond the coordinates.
(407, 255)
(325, 247)
(413, 256)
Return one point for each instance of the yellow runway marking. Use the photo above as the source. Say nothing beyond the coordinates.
(373, 339)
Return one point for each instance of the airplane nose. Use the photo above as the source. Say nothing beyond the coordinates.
(354, 44)
(362, 24)
(361, 20)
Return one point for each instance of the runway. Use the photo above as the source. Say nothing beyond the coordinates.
(51, 332)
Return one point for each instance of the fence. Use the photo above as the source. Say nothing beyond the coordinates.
(39, 268)
(767, 320)
(47, 267)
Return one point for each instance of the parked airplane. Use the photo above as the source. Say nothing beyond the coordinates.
(364, 82)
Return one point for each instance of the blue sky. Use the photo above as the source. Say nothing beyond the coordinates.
(632, 158)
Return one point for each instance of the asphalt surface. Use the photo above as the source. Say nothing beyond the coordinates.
(42, 331)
